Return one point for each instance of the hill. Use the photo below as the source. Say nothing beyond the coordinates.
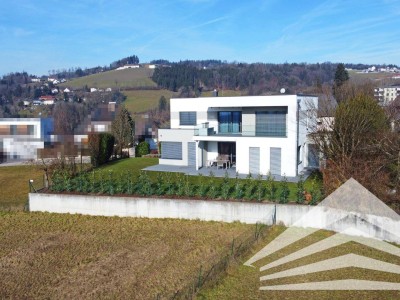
(127, 78)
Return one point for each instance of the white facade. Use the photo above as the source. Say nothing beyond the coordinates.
(385, 95)
(267, 133)
(21, 138)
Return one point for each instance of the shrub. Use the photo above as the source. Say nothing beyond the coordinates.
(270, 188)
(284, 191)
(142, 149)
(100, 147)
(260, 189)
(202, 190)
(300, 190)
(225, 188)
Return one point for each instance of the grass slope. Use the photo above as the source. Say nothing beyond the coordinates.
(144, 100)
(14, 185)
(114, 79)
(59, 256)
(243, 282)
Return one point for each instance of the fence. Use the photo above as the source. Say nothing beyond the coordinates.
(209, 274)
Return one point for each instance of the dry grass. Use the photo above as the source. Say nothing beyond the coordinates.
(73, 256)
(14, 185)
(243, 282)
(115, 79)
(144, 100)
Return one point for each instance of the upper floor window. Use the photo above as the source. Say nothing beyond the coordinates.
(187, 118)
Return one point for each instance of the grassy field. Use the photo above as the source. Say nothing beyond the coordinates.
(243, 282)
(144, 100)
(114, 79)
(371, 76)
(59, 256)
(14, 185)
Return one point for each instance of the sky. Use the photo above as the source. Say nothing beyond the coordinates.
(39, 36)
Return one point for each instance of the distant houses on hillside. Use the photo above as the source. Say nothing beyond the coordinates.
(385, 95)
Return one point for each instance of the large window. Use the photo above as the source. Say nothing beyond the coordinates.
(171, 150)
(271, 122)
(187, 118)
(229, 121)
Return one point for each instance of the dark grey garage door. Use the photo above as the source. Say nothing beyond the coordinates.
(192, 154)
(171, 150)
(254, 160)
(275, 161)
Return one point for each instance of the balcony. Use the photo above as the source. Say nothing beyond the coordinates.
(279, 130)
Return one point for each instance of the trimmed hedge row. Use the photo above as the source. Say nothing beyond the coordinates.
(176, 184)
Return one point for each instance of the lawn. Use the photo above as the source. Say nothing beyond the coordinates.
(115, 79)
(144, 100)
(59, 256)
(14, 185)
(243, 282)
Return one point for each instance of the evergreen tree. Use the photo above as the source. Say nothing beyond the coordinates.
(123, 129)
(341, 75)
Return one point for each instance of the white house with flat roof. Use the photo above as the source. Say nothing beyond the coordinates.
(254, 134)
(20, 138)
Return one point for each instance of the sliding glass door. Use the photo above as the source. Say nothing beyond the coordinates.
(229, 121)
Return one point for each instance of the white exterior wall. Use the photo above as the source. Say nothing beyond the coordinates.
(207, 111)
(222, 211)
(288, 162)
(176, 135)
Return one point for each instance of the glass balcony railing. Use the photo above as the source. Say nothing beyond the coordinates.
(274, 130)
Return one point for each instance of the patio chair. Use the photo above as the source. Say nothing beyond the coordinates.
(220, 163)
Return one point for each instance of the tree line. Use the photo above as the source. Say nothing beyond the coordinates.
(256, 78)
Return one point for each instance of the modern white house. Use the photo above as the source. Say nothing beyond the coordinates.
(385, 95)
(20, 138)
(254, 134)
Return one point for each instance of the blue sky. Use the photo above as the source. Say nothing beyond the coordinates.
(38, 36)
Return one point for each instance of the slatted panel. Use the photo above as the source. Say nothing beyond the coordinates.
(171, 150)
(275, 161)
(313, 160)
(254, 160)
(192, 154)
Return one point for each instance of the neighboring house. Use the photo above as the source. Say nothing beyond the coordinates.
(20, 139)
(35, 79)
(258, 134)
(67, 90)
(47, 100)
(146, 130)
(108, 90)
(385, 95)
(92, 90)
(128, 67)
(54, 91)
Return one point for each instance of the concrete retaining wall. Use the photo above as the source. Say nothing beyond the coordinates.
(224, 211)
